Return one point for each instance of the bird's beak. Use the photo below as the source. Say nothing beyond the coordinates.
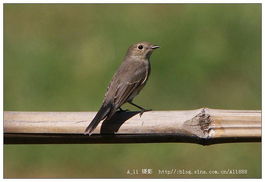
(154, 47)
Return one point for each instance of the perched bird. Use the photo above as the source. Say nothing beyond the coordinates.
(126, 83)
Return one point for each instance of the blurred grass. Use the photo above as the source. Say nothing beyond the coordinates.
(61, 57)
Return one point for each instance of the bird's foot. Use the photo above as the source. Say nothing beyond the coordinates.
(144, 110)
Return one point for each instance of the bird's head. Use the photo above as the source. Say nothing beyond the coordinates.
(141, 50)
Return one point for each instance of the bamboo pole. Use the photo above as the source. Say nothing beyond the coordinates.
(203, 126)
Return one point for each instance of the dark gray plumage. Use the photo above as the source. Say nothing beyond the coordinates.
(126, 83)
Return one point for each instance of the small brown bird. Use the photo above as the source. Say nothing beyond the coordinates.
(126, 83)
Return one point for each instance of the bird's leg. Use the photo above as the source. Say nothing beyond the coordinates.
(142, 109)
(122, 110)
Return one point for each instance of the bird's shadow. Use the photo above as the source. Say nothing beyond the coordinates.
(113, 124)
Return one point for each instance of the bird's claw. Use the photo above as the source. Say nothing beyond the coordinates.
(144, 110)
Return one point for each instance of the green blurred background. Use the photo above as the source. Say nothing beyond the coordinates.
(60, 57)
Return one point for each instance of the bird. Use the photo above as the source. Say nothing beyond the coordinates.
(126, 83)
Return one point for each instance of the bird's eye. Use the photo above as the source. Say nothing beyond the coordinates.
(140, 47)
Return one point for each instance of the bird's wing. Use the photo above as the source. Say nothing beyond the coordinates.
(125, 82)
(124, 92)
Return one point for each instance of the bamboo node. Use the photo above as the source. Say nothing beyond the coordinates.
(199, 124)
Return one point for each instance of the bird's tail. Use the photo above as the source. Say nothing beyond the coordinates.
(102, 114)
